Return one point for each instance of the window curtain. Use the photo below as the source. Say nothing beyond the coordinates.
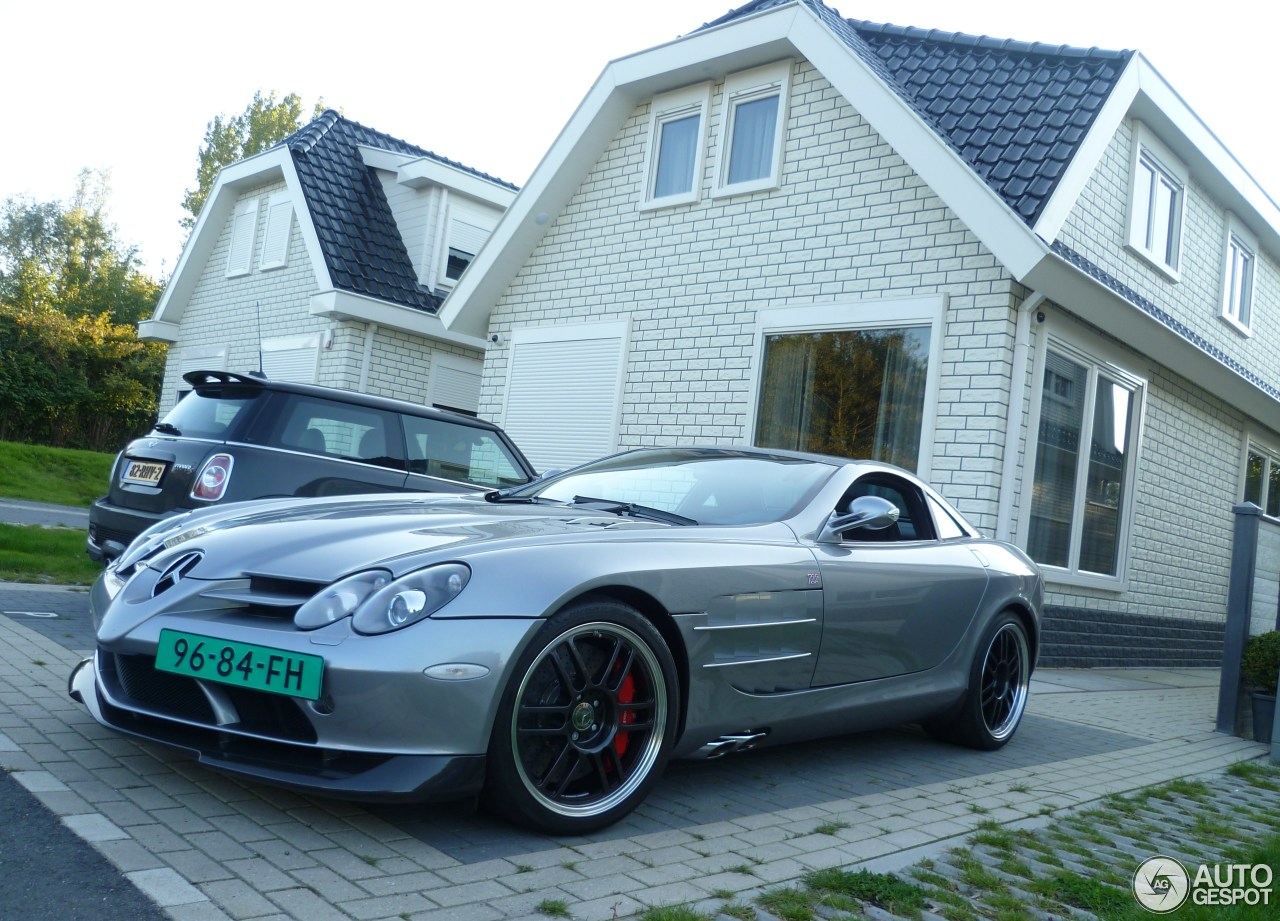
(751, 153)
(897, 439)
(786, 391)
(677, 150)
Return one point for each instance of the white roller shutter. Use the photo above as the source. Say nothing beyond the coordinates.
(291, 358)
(563, 391)
(455, 382)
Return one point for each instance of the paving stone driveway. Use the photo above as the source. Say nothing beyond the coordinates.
(207, 847)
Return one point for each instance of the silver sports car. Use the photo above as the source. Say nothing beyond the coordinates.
(551, 646)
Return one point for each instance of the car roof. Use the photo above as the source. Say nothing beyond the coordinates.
(202, 380)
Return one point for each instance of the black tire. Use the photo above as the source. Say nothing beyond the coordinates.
(586, 723)
(996, 696)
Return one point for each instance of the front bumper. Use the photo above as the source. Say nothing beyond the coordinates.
(306, 769)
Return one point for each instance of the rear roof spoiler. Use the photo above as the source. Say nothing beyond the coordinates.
(202, 378)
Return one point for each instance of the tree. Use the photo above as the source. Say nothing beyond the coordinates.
(264, 122)
(66, 257)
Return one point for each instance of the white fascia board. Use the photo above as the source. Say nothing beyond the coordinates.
(273, 164)
(420, 172)
(1090, 153)
(1210, 162)
(158, 331)
(785, 31)
(1094, 302)
(343, 305)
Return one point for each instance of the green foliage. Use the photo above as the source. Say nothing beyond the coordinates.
(60, 475)
(228, 138)
(54, 556)
(1261, 662)
(67, 257)
(80, 382)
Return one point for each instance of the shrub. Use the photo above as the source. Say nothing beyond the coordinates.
(1261, 662)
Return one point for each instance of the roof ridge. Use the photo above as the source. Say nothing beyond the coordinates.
(988, 42)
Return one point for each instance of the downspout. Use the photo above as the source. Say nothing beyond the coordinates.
(1016, 417)
(370, 331)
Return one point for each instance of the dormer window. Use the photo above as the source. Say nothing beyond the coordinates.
(464, 237)
(1158, 191)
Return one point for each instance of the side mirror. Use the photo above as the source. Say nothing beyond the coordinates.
(870, 512)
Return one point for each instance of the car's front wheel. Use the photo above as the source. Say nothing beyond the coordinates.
(999, 677)
(586, 722)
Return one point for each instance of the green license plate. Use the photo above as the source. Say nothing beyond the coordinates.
(245, 665)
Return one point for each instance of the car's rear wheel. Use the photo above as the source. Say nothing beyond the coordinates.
(586, 723)
(997, 693)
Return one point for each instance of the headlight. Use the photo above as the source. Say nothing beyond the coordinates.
(150, 538)
(339, 600)
(411, 598)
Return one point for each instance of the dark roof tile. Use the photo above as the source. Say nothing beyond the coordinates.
(362, 246)
(946, 77)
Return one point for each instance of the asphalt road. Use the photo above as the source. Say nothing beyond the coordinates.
(16, 511)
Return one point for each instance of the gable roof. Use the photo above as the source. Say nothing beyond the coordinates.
(355, 248)
(1016, 112)
(362, 247)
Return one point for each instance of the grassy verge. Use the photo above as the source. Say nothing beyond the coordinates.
(1081, 866)
(60, 475)
(29, 553)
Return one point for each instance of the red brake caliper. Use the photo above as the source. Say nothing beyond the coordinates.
(626, 694)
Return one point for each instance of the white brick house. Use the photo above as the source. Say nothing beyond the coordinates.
(325, 260)
(1007, 266)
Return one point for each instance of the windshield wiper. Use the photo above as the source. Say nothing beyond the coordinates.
(166, 428)
(508, 495)
(633, 510)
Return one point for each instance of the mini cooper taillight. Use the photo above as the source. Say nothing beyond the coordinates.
(213, 478)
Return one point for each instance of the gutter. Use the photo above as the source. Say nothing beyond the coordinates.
(1017, 396)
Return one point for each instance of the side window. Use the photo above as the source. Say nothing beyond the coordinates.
(914, 520)
(462, 453)
(341, 430)
(942, 520)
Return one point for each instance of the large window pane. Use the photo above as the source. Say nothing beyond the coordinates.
(1104, 491)
(751, 153)
(1273, 490)
(852, 393)
(1053, 495)
(677, 151)
(1253, 478)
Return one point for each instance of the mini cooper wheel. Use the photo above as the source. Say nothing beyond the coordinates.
(997, 692)
(586, 723)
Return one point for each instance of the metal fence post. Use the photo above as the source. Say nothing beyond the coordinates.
(1244, 559)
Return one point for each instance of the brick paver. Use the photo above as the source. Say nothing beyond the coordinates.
(206, 847)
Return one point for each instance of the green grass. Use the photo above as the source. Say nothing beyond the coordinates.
(29, 553)
(60, 475)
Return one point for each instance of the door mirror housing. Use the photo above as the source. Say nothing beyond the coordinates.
(871, 512)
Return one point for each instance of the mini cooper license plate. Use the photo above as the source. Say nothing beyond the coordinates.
(147, 474)
(245, 665)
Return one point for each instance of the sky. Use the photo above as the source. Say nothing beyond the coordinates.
(129, 87)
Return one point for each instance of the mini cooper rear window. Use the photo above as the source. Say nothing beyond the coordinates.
(210, 413)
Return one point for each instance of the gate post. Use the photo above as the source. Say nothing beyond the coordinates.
(1244, 559)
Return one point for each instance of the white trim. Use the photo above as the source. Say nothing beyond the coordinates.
(421, 172)
(158, 331)
(343, 305)
(1015, 418)
(1065, 336)
(1246, 241)
(878, 313)
(664, 110)
(747, 86)
(1147, 150)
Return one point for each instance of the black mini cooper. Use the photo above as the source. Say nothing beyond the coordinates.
(236, 437)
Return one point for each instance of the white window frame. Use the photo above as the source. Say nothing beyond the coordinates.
(743, 87)
(1266, 448)
(275, 238)
(460, 212)
(670, 107)
(1240, 249)
(1148, 151)
(1097, 358)
(929, 310)
(244, 231)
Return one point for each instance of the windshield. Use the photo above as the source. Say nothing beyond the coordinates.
(716, 487)
(209, 413)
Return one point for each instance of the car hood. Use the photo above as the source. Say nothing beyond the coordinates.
(319, 540)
